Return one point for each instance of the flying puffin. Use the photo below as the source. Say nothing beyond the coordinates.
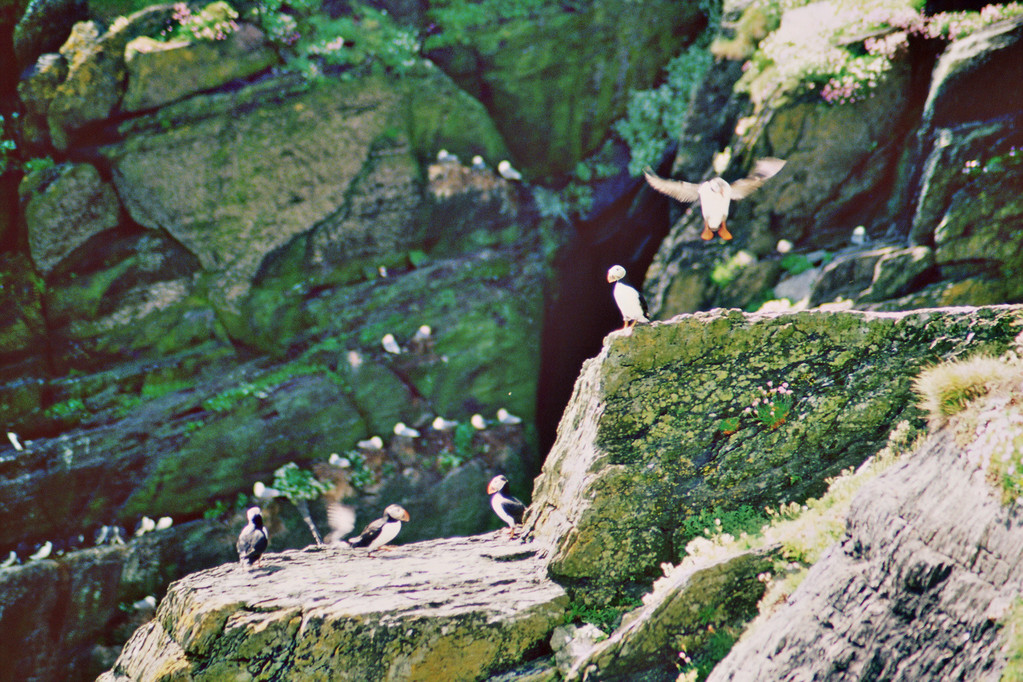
(253, 540)
(629, 300)
(509, 509)
(715, 194)
(378, 533)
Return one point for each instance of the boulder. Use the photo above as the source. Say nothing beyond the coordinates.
(557, 78)
(160, 72)
(22, 329)
(96, 72)
(896, 272)
(327, 176)
(917, 588)
(44, 27)
(63, 207)
(455, 609)
(36, 90)
(642, 445)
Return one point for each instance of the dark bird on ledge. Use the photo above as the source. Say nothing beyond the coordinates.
(715, 194)
(378, 533)
(630, 301)
(253, 540)
(508, 509)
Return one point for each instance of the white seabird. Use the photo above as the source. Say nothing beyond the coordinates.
(478, 422)
(442, 424)
(390, 345)
(506, 417)
(43, 552)
(405, 431)
(507, 172)
(374, 443)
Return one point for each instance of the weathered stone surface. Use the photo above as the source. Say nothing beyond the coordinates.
(456, 609)
(53, 611)
(44, 27)
(36, 90)
(896, 271)
(162, 72)
(915, 591)
(22, 328)
(338, 162)
(63, 207)
(680, 614)
(96, 72)
(640, 447)
(556, 80)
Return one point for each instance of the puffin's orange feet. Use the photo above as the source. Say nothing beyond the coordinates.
(706, 235)
(724, 233)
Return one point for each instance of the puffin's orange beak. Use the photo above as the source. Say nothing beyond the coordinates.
(609, 279)
(405, 516)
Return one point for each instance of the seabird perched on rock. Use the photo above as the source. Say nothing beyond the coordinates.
(13, 437)
(507, 172)
(859, 236)
(422, 334)
(508, 509)
(715, 194)
(405, 431)
(145, 525)
(253, 540)
(164, 522)
(478, 163)
(11, 560)
(378, 533)
(390, 345)
(374, 443)
(43, 552)
(478, 422)
(630, 301)
(444, 156)
(442, 424)
(338, 461)
(506, 417)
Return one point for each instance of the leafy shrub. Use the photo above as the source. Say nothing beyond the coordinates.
(215, 21)
(654, 118)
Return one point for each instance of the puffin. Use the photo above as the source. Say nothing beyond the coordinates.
(715, 194)
(378, 533)
(628, 298)
(508, 509)
(253, 540)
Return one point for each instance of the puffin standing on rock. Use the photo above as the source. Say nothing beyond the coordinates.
(715, 194)
(378, 533)
(509, 509)
(628, 298)
(253, 540)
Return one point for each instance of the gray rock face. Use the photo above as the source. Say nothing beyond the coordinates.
(913, 592)
(162, 72)
(456, 609)
(644, 444)
(63, 208)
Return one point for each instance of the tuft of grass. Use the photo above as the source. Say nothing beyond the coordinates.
(946, 389)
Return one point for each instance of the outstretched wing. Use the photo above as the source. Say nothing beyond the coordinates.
(676, 189)
(763, 170)
(341, 519)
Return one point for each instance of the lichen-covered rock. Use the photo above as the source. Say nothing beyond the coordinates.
(457, 609)
(64, 207)
(680, 614)
(330, 173)
(22, 328)
(36, 90)
(663, 423)
(44, 27)
(54, 610)
(96, 72)
(896, 271)
(557, 79)
(915, 590)
(162, 72)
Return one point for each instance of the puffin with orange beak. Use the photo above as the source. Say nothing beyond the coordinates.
(508, 509)
(630, 302)
(378, 533)
(716, 194)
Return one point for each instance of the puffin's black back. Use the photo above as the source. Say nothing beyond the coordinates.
(252, 541)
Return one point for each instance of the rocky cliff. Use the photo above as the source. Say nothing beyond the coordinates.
(611, 521)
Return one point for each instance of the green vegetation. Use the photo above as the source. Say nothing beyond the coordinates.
(711, 522)
(310, 42)
(773, 405)
(1013, 624)
(841, 51)
(300, 486)
(946, 389)
(606, 617)
(7, 146)
(654, 117)
(454, 20)
(227, 400)
(215, 21)
(726, 271)
(359, 474)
